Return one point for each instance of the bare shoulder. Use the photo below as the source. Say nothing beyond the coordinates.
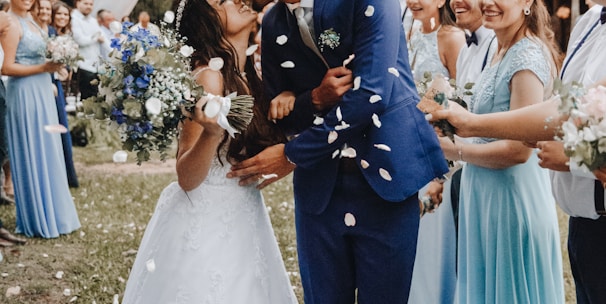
(211, 80)
(451, 36)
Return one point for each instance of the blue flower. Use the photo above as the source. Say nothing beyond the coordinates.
(142, 82)
(126, 55)
(128, 80)
(148, 69)
(116, 43)
(118, 115)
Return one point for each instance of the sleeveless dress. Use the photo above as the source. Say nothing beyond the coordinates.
(213, 244)
(66, 138)
(44, 204)
(435, 262)
(509, 243)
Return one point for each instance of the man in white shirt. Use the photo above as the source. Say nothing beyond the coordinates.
(145, 24)
(435, 264)
(91, 41)
(104, 18)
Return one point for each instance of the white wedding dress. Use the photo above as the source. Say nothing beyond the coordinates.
(214, 244)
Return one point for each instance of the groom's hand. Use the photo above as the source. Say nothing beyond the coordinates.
(264, 168)
(336, 82)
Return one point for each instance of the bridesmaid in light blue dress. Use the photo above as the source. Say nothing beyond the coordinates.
(509, 248)
(44, 204)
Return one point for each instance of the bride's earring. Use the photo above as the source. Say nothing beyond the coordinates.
(527, 11)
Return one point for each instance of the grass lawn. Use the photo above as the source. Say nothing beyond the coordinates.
(114, 203)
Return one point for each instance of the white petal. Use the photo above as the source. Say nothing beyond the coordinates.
(151, 265)
(288, 64)
(375, 98)
(349, 152)
(58, 128)
(370, 10)
(348, 60)
(13, 291)
(394, 71)
(383, 147)
(153, 106)
(281, 40)
(364, 164)
(339, 114)
(332, 136)
(376, 121)
(336, 153)
(169, 17)
(216, 64)
(432, 22)
(356, 83)
(350, 220)
(269, 176)
(67, 292)
(342, 126)
(59, 275)
(318, 120)
(251, 49)
(120, 156)
(186, 51)
(115, 27)
(384, 174)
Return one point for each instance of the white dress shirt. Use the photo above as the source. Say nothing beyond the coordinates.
(471, 58)
(86, 31)
(152, 28)
(574, 191)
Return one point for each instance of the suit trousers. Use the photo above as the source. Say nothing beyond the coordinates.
(359, 242)
(587, 251)
(3, 141)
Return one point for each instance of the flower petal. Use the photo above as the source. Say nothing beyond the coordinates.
(394, 71)
(348, 60)
(332, 136)
(375, 98)
(58, 128)
(336, 153)
(342, 126)
(339, 114)
(350, 220)
(288, 64)
(385, 174)
(383, 147)
(120, 156)
(364, 164)
(349, 152)
(370, 10)
(216, 64)
(59, 275)
(356, 83)
(252, 49)
(150, 265)
(318, 120)
(281, 40)
(376, 121)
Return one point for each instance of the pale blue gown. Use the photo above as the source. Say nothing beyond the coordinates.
(44, 204)
(509, 244)
(434, 273)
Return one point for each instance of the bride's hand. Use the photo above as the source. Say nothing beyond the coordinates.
(208, 123)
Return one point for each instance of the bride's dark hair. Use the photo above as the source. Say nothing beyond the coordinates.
(201, 25)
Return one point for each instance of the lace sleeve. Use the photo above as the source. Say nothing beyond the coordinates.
(529, 55)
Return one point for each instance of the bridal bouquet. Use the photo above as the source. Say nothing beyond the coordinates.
(435, 93)
(63, 49)
(584, 131)
(145, 84)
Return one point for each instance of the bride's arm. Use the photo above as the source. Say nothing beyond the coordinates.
(199, 137)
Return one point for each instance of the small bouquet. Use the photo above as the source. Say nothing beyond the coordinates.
(63, 49)
(584, 131)
(435, 93)
(147, 82)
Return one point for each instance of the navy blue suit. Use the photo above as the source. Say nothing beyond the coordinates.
(394, 159)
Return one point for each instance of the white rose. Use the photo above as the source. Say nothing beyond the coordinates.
(216, 64)
(169, 17)
(186, 50)
(115, 27)
(153, 106)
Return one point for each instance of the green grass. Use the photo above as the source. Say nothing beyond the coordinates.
(114, 208)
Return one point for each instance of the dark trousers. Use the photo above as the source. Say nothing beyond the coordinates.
(587, 251)
(375, 254)
(3, 141)
(84, 84)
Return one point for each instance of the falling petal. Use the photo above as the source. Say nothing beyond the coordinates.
(348, 60)
(383, 147)
(336, 153)
(58, 128)
(432, 22)
(349, 152)
(318, 120)
(356, 83)
(370, 10)
(364, 164)
(281, 40)
(332, 136)
(339, 114)
(342, 126)
(375, 98)
(394, 71)
(59, 275)
(288, 64)
(120, 156)
(216, 64)
(350, 220)
(252, 49)
(151, 265)
(376, 121)
(385, 174)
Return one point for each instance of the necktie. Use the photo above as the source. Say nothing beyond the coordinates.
(471, 39)
(603, 15)
(305, 33)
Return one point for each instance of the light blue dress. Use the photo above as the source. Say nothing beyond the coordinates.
(509, 244)
(44, 204)
(434, 273)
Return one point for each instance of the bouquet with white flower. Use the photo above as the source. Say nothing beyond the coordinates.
(63, 49)
(584, 131)
(145, 84)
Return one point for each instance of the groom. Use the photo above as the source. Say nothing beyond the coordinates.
(359, 166)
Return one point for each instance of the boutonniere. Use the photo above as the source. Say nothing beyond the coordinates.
(329, 38)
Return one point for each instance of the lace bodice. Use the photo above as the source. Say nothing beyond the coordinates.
(424, 56)
(492, 93)
(32, 46)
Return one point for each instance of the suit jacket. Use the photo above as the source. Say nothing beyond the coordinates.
(397, 151)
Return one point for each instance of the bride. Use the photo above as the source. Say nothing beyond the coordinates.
(209, 239)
